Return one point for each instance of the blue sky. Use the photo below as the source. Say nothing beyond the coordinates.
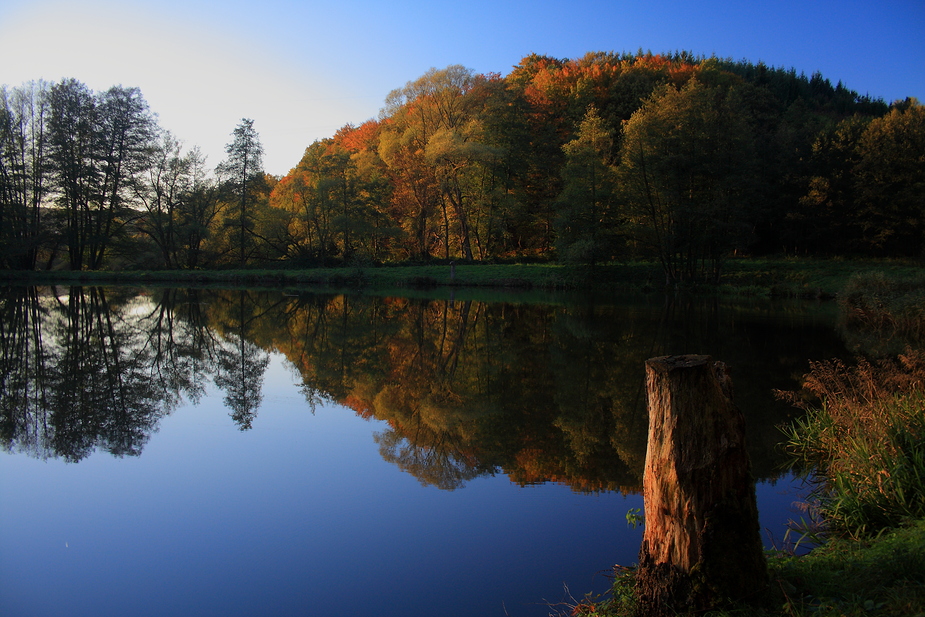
(302, 70)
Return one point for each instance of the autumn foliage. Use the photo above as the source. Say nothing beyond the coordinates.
(462, 166)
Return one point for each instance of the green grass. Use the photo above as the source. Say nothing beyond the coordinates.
(810, 278)
(784, 277)
(882, 576)
(865, 438)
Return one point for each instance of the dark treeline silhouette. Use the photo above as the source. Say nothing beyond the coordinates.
(678, 158)
(538, 392)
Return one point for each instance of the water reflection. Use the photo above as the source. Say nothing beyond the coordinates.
(537, 392)
(76, 376)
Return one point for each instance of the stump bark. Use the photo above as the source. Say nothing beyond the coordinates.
(702, 543)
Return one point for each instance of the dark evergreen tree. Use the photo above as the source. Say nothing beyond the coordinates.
(242, 171)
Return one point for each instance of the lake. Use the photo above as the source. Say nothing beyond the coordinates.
(244, 452)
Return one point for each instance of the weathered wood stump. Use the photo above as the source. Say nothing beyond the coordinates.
(702, 542)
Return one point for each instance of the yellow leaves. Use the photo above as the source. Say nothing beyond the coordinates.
(458, 146)
(593, 136)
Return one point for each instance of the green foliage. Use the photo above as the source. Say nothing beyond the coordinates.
(634, 518)
(588, 223)
(831, 189)
(686, 163)
(715, 157)
(868, 176)
(866, 440)
(891, 181)
(881, 576)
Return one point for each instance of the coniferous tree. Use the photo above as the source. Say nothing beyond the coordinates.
(587, 223)
(242, 171)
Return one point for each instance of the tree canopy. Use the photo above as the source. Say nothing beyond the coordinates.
(678, 158)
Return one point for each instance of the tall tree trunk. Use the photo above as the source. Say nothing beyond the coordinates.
(456, 199)
(702, 544)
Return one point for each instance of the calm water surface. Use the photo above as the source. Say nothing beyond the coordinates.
(193, 452)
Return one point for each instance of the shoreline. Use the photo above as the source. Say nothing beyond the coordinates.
(780, 277)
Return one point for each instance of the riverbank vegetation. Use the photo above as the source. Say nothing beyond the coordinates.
(898, 281)
(871, 557)
(880, 575)
(865, 436)
(677, 160)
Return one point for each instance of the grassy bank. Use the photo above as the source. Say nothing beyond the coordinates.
(814, 278)
(876, 300)
(864, 434)
(757, 277)
(880, 576)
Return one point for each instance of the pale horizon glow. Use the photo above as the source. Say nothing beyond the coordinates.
(302, 70)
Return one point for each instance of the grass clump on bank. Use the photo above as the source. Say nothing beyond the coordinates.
(866, 440)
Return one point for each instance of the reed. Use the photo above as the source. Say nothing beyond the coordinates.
(864, 434)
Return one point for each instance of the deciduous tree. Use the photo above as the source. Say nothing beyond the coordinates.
(23, 174)
(434, 137)
(98, 147)
(166, 185)
(891, 181)
(686, 164)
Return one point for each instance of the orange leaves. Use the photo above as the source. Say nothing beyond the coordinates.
(362, 407)
(359, 138)
(553, 86)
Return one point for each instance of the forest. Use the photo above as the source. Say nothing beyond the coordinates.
(678, 159)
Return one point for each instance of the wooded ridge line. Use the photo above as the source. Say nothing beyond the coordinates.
(680, 160)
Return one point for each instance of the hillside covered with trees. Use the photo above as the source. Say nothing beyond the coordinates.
(681, 159)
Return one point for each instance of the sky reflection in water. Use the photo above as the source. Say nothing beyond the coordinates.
(298, 515)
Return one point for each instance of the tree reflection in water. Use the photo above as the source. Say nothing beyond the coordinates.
(76, 375)
(539, 392)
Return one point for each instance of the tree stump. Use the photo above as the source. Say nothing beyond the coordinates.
(702, 542)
